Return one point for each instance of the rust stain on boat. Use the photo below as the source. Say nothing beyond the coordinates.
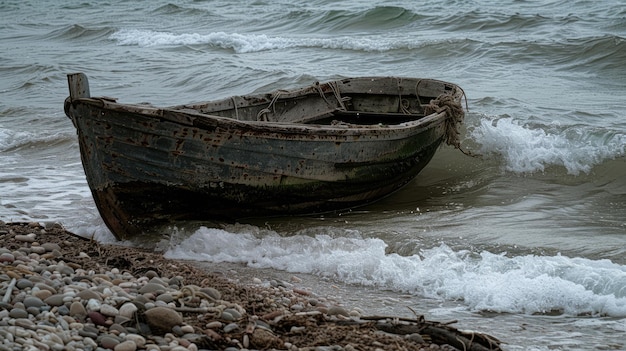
(320, 148)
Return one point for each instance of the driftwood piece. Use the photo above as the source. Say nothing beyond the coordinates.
(439, 333)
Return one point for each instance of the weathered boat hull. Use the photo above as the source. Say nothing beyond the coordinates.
(147, 165)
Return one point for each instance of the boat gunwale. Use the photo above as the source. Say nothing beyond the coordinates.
(192, 118)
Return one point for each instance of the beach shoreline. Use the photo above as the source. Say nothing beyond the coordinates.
(105, 296)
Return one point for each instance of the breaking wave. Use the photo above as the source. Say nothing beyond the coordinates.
(525, 148)
(482, 280)
(247, 43)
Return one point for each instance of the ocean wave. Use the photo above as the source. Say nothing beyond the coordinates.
(11, 140)
(529, 18)
(527, 149)
(480, 21)
(174, 9)
(372, 19)
(586, 54)
(77, 31)
(483, 281)
(607, 52)
(247, 43)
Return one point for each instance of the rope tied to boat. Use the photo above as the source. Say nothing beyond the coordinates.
(334, 87)
(262, 115)
(455, 116)
(336, 91)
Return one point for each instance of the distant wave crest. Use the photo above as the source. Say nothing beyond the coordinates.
(245, 43)
(77, 31)
(379, 17)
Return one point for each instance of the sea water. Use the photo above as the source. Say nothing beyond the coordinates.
(526, 242)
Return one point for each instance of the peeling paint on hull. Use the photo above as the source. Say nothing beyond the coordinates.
(348, 143)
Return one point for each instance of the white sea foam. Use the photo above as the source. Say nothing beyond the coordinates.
(528, 149)
(10, 139)
(245, 43)
(484, 281)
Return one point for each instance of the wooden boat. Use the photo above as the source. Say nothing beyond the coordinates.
(325, 147)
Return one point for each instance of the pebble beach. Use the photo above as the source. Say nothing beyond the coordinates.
(60, 291)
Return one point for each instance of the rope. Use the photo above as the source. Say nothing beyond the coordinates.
(455, 116)
(235, 105)
(335, 88)
(417, 94)
(262, 115)
(321, 92)
(403, 103)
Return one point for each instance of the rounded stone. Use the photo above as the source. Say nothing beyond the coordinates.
(89, 343)
(157, 280)
(109, 310)
(77, 310)
(186, 329)
(231, 327)
(7, 257)
(24, 323)
(177, 330)
(214, 325)
(212, 292)
(152, 288)
(338, 310)
(39, 250)
(227, 316)
(54, 253)
(163, 318)
(91, 329)
(89, 294)
(42, 294)
(115, 327)
(63, 310)
(297, 307)
(34, 310)
(128, 310)
(66, 270)
(97, 318)
(43, 286)
(176, 281)
(151, 274)
(29, 238)
(142, 300)
(415, 337)
(51, 246)
(32, 301)
(87, 334)
(127, 345)
(24, 284)
(109, 342)
(233, 312)
(55, 300)
(13, 275)
(93, 305)
(18, 313)
(167, 298)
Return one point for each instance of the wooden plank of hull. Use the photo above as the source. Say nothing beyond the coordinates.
(146, 165)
